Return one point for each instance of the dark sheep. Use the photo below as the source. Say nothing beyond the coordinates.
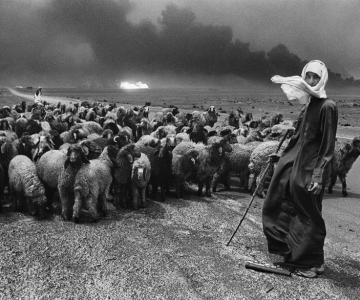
(122, 174)
(76, 156)
(344, 157)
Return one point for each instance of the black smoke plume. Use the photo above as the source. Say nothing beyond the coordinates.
(79, 41)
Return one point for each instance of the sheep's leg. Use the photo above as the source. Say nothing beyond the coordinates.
(179, 185)
(77, 206)
(215, 182)
(244, 180)
(19, 202)
(135, 196)
(120, 196)
(207, 187)
(102, 204)
(332, 183)
(67, 204)
(200, 188)
(143, 197)
(154, 188)
(343, 181)
(55, 203)
(226, 181)
(163, 189)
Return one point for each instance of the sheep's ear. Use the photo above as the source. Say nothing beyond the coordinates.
(67, 162)
(85, 150)
(112, 152)
(3, 148)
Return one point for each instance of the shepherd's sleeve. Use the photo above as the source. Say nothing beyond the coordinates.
(328, 126)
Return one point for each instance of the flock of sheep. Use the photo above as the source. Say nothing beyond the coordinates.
(71, 159)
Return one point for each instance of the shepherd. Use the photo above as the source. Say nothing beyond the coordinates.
(292, 211)
(37, 95)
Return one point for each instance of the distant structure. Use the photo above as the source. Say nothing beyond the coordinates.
(37, 95)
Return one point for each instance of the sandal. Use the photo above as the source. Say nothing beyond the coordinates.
(309, 273)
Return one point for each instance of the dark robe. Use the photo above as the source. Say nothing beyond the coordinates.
(292, 219)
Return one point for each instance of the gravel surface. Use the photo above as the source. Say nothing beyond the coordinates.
(171, 250)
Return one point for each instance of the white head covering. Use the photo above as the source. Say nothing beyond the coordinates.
(319, 68)
(295, 87)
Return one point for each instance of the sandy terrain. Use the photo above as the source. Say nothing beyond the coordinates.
(173, 250)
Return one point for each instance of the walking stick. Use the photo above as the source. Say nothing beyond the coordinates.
(257, 188)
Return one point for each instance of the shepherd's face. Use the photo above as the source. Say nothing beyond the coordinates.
(311, 78)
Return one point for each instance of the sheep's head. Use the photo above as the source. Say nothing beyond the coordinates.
(43, 143)
(211, 109)
(253, 124)
(78, 134)
(38, 206)
(146, 109)
(191, 159)
(108, 134)
(140, 175)
(170, 141)
(76, 155)
(4, 125)
(121, 140)
(130, 152)
(169, 118)
(356, 144)
(278, 118)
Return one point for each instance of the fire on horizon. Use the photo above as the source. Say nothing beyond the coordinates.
(127, 85)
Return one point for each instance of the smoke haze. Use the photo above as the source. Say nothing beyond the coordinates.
(95, 43)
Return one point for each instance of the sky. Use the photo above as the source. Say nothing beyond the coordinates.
(61, 41)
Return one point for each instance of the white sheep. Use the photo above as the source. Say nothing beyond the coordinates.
(26, 188)
(92, 186)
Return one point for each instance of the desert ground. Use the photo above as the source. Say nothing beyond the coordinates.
(177, 249)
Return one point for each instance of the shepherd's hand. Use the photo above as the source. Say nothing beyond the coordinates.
(315, 188)
(274, 158)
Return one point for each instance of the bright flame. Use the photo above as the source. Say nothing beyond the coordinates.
(126, 85)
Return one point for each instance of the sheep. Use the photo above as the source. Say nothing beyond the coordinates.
(237, 162)
(234, 118)
(181, 137)
(147, 140)
(2, 185)
(344, 157)
(76, 156)
(279, 130)
(253, 135)
(183, 166)
(89, 127)
(140, 177)
(209, 159)
(111, 124)
(143, 128)
(27, 191)
(198, 134)
(20, 126)
(43, 143)
(92, 186)
(122, 173)
(198, 118)
(260, 157)
(163, 131)
(160, 159)
(210, 116)
(48, 168)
